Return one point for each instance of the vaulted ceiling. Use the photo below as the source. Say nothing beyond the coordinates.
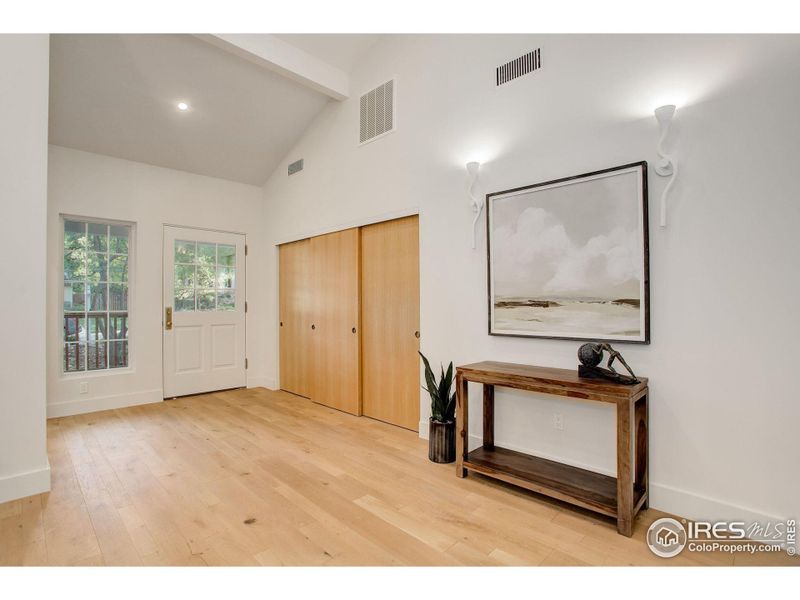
(118, 95)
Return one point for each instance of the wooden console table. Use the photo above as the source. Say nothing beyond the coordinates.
(621, 497)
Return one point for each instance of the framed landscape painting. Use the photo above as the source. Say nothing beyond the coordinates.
(569, 258)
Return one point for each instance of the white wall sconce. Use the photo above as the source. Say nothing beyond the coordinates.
(667, 165)
(477, 202)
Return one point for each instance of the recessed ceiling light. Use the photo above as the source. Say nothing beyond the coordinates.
(183, 106)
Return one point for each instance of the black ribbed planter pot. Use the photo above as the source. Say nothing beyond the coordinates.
(441, 441)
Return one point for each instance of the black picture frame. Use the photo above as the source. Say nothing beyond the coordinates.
(644, 308)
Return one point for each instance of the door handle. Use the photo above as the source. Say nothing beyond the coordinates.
(168, 318)
(416, 334)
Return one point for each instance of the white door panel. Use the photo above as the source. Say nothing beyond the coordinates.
(204, 287)
(223, 339)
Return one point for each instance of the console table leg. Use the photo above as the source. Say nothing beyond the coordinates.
(462, 424)
(624, 469)
(488, 416)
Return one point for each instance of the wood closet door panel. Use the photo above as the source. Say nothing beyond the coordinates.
(390, 321)
(296, 309)
(336, 364)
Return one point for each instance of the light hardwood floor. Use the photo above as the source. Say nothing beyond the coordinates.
(253, 477)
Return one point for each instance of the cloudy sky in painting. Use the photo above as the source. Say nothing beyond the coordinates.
(579, 240)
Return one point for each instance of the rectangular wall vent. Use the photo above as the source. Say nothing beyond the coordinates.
(296, 166)
(519, 66)
(377, 112)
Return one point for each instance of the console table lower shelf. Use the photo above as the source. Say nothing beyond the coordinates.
(620, 497)
(587, 489)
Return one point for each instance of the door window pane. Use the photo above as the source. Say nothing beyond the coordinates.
(206, 300)
(96, 273)
(184, 276)
(205, 275)
(184, 299)
(226, 300)
(226, 255)
(184, 252)
(206, 254)
(226, 277)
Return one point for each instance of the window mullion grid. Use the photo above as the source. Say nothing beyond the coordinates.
(104, 314)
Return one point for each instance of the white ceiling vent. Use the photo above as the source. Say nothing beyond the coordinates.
(527, 63)
(377, 112)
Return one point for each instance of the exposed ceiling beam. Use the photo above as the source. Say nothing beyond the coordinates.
(281, 57)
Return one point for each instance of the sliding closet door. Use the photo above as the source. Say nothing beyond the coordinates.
(335, 330)
(296, 297)
(390, 321)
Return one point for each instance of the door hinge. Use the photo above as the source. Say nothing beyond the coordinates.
(245, 363)
(245, 249)
(245, 306)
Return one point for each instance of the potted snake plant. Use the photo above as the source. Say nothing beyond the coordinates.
(442, 426)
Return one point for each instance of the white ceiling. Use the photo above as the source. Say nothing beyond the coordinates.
(341, 50)
(117, 95)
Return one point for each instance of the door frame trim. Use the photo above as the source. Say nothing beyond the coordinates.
(211, 229)
(161, 308)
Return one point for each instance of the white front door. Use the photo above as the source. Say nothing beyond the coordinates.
(204, 311)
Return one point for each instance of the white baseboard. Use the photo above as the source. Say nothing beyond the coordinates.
(25, 484)
(260, 381)
(663, 497)
(88, 405)
(702, 508)
(423, 429)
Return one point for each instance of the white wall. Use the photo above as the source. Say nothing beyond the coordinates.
(24, 469)
(92, 185)
(724, 392)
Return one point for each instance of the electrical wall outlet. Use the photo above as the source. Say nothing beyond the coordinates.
(558, 421)
(84, 387)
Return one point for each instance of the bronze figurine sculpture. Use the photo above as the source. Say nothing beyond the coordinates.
(591, 355)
